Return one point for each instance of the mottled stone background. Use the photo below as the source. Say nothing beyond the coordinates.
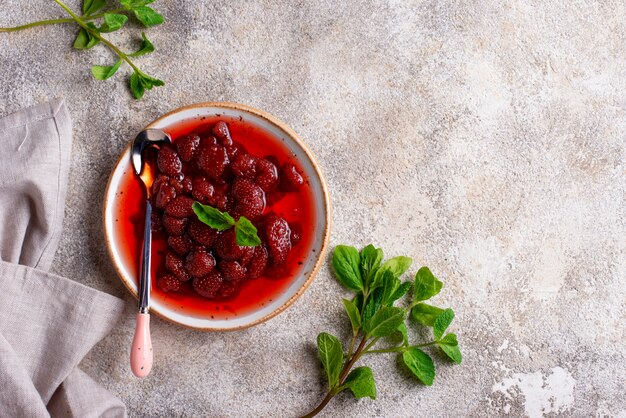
(483, 138)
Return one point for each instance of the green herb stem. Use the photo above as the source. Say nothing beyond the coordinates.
(35, 24)
(98, 36)
(386, 350)
(352, 343)
(373, 316)
(321, 406)
(115, 49)
(56, 21)
(371, 344)
(412, 305)
(365, 296)
(342, 377)
(398, 349)
(350, 363)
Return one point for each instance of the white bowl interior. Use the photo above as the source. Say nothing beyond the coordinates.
(128, 271)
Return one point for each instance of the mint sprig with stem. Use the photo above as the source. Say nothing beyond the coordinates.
(113, 19)
(245, 232)
(376, 321)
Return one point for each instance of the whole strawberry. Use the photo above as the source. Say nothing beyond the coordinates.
(267, 175)
(202, 233)
(248, 198)
(168, 161)
(278, 235)
(232, 271)
(174, 264)
(199, 263)
(187, 147)
(180, 207)
(208, 286)
(169, 283)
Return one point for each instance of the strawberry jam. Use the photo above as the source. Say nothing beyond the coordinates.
(239, 168)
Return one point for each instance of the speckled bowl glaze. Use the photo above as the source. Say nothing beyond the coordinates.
(128, 272)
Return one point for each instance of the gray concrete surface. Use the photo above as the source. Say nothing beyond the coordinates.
(484, 139)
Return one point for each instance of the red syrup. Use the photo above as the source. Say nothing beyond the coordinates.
(296, 207)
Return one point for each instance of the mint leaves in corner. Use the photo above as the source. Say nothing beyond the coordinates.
(245, 231)
(375, 320)
(113, 19)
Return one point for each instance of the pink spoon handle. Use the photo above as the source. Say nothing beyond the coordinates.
(141, 350)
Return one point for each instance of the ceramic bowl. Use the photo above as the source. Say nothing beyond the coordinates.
(128, 270)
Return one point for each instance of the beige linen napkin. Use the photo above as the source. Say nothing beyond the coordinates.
(47, 323)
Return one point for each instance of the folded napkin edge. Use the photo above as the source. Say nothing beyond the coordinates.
(42, 111)
(23, 271)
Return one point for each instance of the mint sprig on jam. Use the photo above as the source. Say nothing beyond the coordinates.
(376, 321)
(245, 231)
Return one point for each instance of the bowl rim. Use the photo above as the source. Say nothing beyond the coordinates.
(321, 254)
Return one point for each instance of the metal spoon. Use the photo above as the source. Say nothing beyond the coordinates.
(141, 350)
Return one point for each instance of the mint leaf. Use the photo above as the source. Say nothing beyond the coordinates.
(136, 87)
(358, 301)
(361, 383)
(373, 304)
(145, 48)
(450, 346)
(147, 16)
(102, 72)
(401, 291)
(442, 322)
(346, 263)
(449, 339)
(425, 314)
(389, 284)
(149, 82)
(84, 39)
(397, 266)
(371, 258)
(131, 4)
(331, 353)
(214, 218)
(420, 364)
(92, 6)
(140, 82)
(426, 285)
(392, 288)
(246, 233)
(353, 314)
(404, 333)
(112, 22)
(384, 322)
